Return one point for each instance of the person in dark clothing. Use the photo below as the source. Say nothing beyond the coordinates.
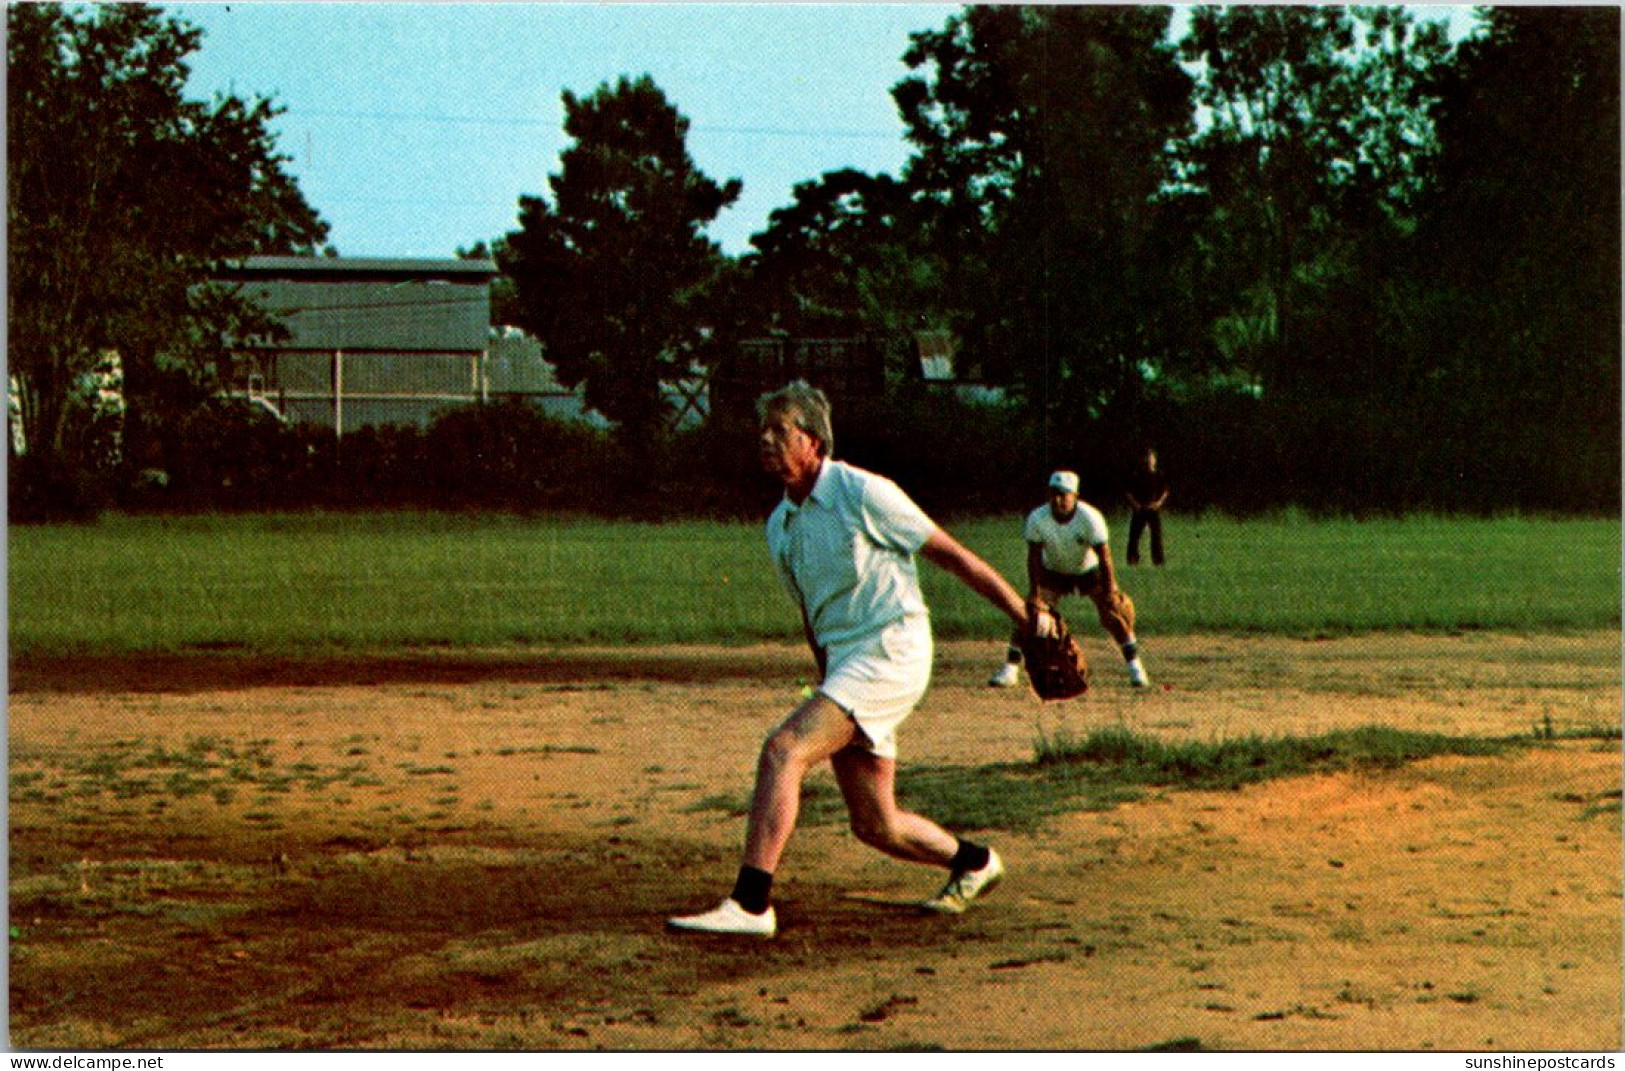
(1147, 492)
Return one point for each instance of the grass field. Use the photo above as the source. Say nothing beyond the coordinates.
(295, 582)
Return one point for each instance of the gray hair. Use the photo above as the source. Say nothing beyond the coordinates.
(807, 405)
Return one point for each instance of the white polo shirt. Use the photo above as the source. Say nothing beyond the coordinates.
(846, 554)
(1068, 548)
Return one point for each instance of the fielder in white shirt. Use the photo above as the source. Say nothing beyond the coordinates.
(844, 543)
(1067, 552)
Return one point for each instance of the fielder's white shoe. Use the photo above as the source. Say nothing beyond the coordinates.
(961, 889)
(1007, 676)
(728, 917)
(1137, 675)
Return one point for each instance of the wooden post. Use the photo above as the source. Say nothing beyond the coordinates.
(338, 394)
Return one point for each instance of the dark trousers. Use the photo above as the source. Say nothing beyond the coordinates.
(1138, 523)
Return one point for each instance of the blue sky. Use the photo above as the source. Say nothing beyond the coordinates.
(413, 128)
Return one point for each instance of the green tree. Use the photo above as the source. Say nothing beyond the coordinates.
(613, 277)
(1039, 136)
(1309, 160)
(1517, 261)
(840, 260)
(122, 194)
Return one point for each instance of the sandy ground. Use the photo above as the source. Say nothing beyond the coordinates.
(476, 850)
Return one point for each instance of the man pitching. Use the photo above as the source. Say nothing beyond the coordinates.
(1067, 552)
(844, 543)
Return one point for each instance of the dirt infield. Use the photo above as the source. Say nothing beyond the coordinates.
(476, 850)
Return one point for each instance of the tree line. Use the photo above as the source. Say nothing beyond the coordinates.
(1319, 256)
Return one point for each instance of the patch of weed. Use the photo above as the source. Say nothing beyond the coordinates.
(200, 766)
(1229, 764)
(1112, 766)
(1545, 730)
(425, 771)
(1606, 805)
(729, 804)
(1184, 1044)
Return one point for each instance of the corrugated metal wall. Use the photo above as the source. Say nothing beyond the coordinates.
(370, 341)
(405, 315)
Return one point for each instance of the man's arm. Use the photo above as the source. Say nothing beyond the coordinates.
(1161, 488)
(1108, 575)
(953, 557)
(1035, 568)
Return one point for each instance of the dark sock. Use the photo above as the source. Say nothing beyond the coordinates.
(753, 889)
(969, 857)
(1131, 651)
(1013, 655)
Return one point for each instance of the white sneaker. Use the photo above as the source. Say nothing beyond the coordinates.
(961, 889)
(728, 917)
(1137, 676)
(1008, 676)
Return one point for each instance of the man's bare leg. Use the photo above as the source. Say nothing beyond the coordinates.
(869, 784)
(814, 732)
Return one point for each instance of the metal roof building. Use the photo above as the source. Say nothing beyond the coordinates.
(371, 341)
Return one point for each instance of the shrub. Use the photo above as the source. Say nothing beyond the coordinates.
(510, 455)
(225, 454)
(378, 465)
(48, 490)
(953, 456)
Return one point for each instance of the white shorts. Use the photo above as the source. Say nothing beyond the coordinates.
(880, 679)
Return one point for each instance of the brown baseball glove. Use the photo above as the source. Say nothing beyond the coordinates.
(1055, 663)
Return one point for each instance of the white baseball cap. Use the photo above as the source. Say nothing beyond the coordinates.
(1064, 481)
